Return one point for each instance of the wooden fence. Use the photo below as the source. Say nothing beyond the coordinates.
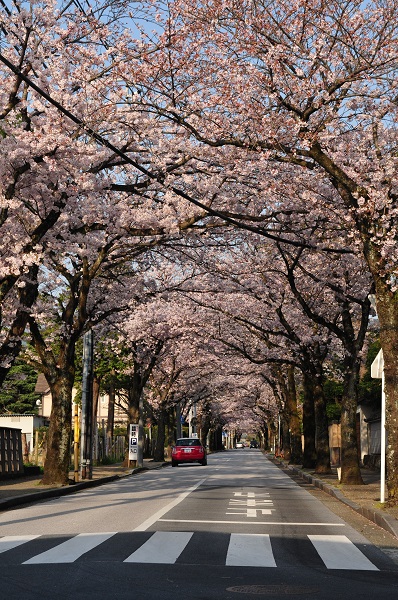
(11, 462)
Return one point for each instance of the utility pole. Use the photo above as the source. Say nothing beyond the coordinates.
(178, 421)
(192, 421)
(86, 450)
(76, 442)
(140, 454)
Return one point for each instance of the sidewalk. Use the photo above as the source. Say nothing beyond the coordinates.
(364, 499)
(24, 490)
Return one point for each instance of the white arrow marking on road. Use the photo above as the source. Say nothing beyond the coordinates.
(252, 512)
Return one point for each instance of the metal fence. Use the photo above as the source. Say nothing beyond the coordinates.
(11, 460)
(105, 448)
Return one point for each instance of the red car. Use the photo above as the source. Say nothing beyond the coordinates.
(187, 450)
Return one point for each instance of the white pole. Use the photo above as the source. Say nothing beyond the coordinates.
(383, 442)
(194, 429)
(377, 372)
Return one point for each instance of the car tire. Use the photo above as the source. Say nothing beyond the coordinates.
(174, 463)
(203, 462)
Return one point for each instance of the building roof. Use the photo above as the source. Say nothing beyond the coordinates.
(41, 384)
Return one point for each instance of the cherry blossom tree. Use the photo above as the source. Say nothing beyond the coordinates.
(309, 85)
(282, 380)
(67, 226)
(45, 163)
(270, 117)
(267, 323)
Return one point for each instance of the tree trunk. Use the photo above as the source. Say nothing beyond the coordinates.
(350, 469)
(25, 449)
(205, 428)
(294, 419)
(133, 411)
(171, 429)
(309, 454)
(321, 429)
(264, 437)
(218, 438)
(137, 384)
(285, 436)
(57, 463)
(387, 310)
(272, 435)
(96, 394)
(111, 409)
(158, 454)
(213, 442)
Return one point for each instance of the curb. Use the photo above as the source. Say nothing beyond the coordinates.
(71, 489)
(387, 522)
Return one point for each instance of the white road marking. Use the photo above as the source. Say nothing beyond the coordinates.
(9, 542)
(157, 516)
(252, 512)
(250, 550)
(71, 550)
(338, 552)
(251, 522)
(164, 547)
(249, 500)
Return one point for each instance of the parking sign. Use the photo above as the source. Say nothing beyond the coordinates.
(133, 442)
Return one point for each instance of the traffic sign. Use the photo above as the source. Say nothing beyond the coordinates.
(377, 366)
(133, 442)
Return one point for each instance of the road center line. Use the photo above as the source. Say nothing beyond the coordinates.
(157, 516)
(249, 523)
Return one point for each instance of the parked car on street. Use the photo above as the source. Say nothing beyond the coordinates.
(239, 445)
(188, 450)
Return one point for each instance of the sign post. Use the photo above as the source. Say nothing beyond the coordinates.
(377, 372)
(133, 442)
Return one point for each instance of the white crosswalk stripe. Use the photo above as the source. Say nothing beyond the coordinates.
(70, 550)
(13, 541)
(338, 552)
(250, 550)
(164, 547)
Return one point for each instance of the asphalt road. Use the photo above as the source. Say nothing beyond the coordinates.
(239, 528)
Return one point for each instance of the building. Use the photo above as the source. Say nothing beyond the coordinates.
(45, 403)
(27, 424)
(369, 419)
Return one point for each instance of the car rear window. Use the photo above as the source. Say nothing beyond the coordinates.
(188, 442)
